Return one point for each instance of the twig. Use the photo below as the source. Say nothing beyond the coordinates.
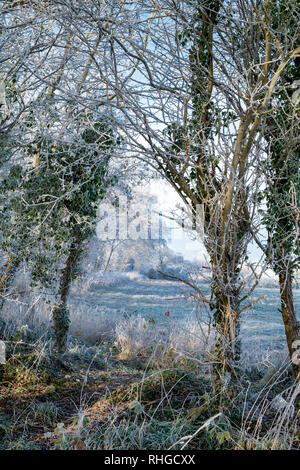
(172, 276)
(205, 425)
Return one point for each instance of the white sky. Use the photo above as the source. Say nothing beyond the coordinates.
(178, 240)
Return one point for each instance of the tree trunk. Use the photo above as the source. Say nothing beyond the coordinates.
(60, 313)
(5, 282)
(289, 316)
(227, 349)
(291, 331)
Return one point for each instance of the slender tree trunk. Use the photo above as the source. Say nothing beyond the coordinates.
(60, 313)
(291, 331)
(5, 282)
(289, 316)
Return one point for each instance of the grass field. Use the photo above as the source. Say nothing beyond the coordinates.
(144, 382)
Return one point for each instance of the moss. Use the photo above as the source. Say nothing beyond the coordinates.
(61, 322)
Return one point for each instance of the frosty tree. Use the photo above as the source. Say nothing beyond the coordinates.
(192, 87)
(58, 173)
(194, 108)
(283, 175)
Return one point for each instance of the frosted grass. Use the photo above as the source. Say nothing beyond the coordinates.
(142, 315)
(262, 331)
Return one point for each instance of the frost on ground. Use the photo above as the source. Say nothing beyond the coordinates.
(100, 280)
(144, 317)
(137, 336)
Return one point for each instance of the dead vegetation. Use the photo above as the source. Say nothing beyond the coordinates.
(91, 399)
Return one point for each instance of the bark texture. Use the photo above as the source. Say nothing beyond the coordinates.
(60, 313)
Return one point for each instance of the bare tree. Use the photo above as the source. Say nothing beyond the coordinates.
(191, 86)
(51, 126)
(195, 100)
(283, 191)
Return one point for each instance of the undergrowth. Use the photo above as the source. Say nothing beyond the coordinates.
(93, 399)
